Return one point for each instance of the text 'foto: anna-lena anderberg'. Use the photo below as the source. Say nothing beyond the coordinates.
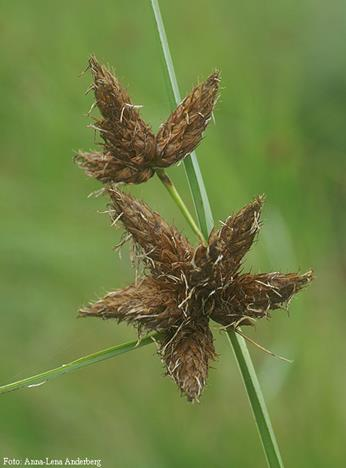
(52, 462)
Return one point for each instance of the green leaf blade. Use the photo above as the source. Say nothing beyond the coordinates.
(84, 361)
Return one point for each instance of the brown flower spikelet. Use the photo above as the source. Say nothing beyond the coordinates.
(228, 245)
(128, 141)
(107, 169)
(149, 304)
(165, 251)
(186, 354)
(183, 130)
(253, 296)
(183, 289)
(131, 152)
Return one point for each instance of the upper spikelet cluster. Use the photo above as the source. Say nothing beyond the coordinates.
(131, 152)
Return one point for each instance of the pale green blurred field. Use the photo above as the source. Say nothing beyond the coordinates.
(280, 130)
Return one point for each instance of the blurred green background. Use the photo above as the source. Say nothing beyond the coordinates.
(280, 130)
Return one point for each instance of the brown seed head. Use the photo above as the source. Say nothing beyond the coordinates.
(149, 304)
(186, 353)
(230, 243)
(182, 291)
(107, 169)
(131, 152)
(183, 130)
(165, 250)
(128, 141)
(253, 296)
(221, 258)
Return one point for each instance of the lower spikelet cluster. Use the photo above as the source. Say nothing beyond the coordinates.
(183, 288)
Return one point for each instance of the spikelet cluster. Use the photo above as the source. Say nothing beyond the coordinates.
(185, 287)
(131, 152)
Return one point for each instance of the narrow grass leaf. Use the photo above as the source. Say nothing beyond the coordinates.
(43, 377)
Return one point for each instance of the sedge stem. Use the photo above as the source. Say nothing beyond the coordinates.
(172, 190)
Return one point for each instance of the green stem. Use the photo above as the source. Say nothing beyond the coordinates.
(84, 361)
(205, 219)
(191, 166)
(254, 392)
(167, 182)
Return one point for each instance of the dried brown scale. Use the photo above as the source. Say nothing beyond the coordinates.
(131, 151)
(184, 288)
